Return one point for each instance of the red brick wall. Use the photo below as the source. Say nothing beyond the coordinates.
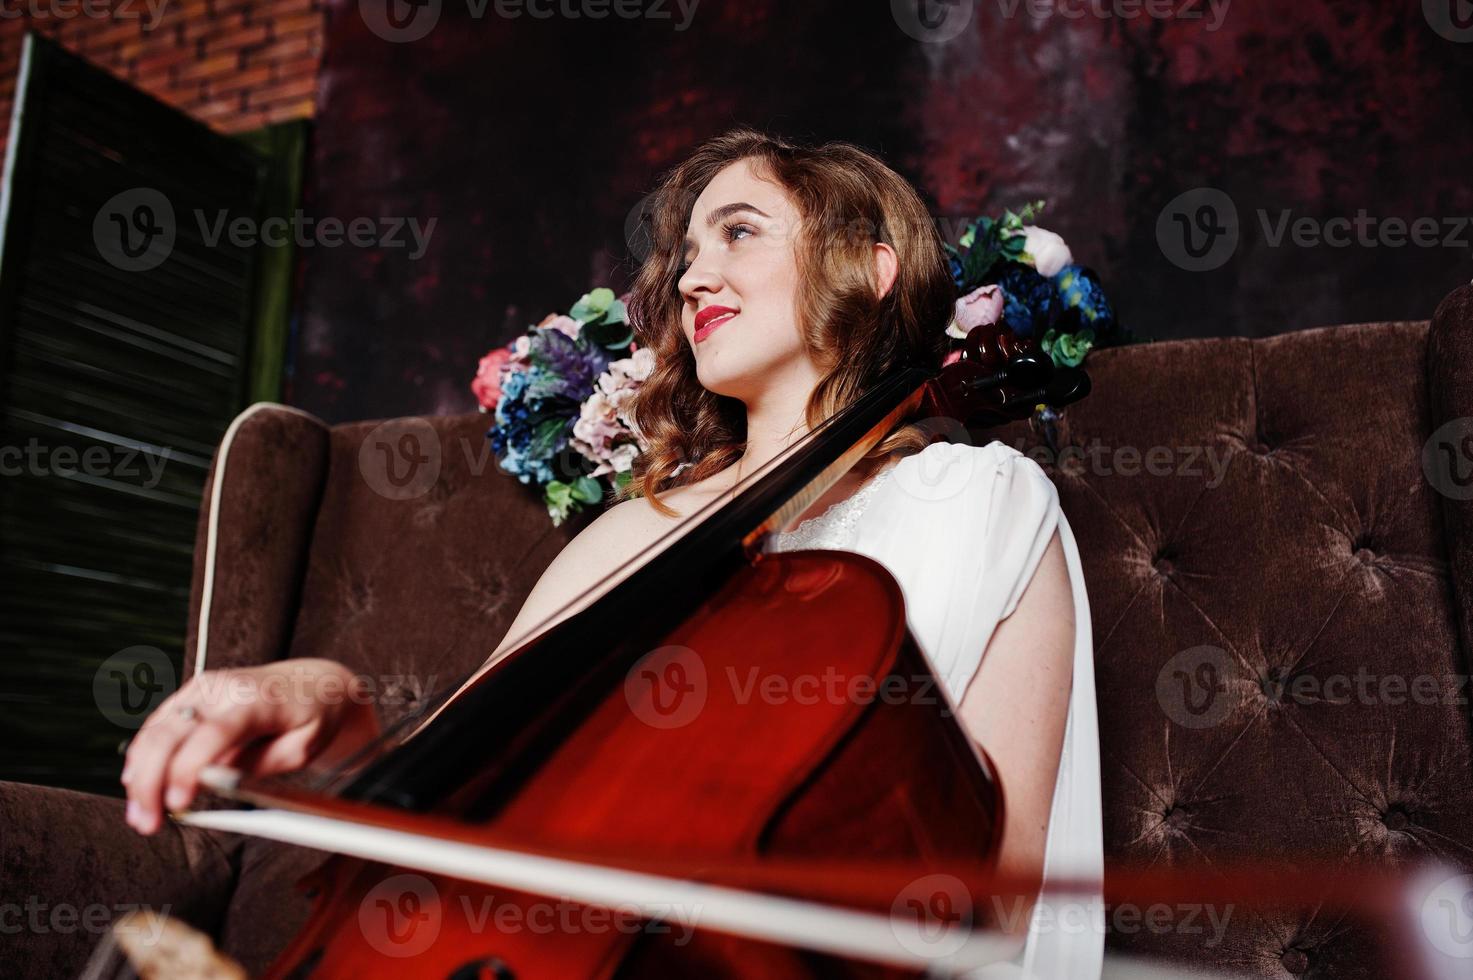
(235, 64)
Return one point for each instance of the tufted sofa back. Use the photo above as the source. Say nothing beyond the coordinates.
(1281, 592)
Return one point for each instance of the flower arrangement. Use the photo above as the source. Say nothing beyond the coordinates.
(558, 394)
(1008, 270)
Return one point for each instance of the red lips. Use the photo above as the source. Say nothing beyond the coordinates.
(704, 324)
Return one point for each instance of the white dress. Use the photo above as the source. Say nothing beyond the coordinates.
(962, 529)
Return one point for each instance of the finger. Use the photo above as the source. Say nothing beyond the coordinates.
(287, 752)
(207, 743)
(151, 750)
(147, 761)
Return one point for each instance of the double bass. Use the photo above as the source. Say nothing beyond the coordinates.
(621, 761)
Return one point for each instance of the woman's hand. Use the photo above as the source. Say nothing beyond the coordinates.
(261, 720)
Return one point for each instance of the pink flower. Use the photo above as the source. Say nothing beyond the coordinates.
(1047, 249)
(566, 324)
(982, 307)
(487, 384)
(604, 433)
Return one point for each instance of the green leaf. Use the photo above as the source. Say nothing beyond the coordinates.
(587, 490)
(612, 336)
(546, 435)
(559, 497)
(1067, 350)
(592, 305)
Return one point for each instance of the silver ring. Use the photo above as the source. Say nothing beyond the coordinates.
(188, 712)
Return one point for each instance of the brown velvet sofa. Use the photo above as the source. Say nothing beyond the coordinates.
(1260, 503)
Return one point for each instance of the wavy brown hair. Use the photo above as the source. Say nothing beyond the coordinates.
(847, 200)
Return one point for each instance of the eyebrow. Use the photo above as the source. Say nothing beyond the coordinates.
(715, 217)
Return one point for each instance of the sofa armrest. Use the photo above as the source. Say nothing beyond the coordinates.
(70, 866)
(255, 528)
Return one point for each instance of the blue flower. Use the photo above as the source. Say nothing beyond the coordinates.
(1032, 301)
(958, 271)
(1082, 301)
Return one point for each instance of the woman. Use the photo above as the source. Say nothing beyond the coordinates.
(783, 280)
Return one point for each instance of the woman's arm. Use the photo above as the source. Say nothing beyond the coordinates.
(1016, 708)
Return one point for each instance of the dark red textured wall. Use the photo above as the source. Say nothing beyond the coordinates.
(529, 140)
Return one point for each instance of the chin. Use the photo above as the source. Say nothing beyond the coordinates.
(733, 381)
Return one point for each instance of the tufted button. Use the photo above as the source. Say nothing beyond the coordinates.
(1273, 684)
(1361, 547)
(1256, 444)
(1175, 817)
(1163, 562)
(1395, 818)
(1295, 960)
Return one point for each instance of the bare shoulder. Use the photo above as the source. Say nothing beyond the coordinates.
(607, 546)
(623, 531)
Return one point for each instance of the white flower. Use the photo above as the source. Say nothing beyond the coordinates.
(622, 458)
(1048, 251)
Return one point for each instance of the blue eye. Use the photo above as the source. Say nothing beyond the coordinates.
(728, 232)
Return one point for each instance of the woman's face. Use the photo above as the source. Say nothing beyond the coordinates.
(740, 257)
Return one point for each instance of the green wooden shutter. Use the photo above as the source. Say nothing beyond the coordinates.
(124, 353)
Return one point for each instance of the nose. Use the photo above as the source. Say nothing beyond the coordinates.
(700, 277)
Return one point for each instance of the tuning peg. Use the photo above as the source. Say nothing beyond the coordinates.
(997, 349)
